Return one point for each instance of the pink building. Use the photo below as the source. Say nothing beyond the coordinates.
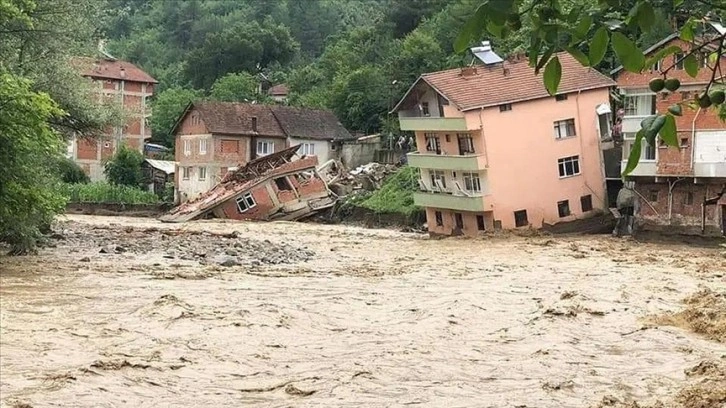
(495, 151)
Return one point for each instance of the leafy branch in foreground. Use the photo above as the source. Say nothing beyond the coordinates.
(590, 31)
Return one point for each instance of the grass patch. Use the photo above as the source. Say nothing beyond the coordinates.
(102, 192)
(395, 195)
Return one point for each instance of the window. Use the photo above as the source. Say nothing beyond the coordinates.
(684, 142)
(685, 95)
(254, 123)
(655, 67)
(648, 151)
(432, 143)
(437, 175)
(678, 60)
(569, 166)
(459, 219)
(446, 137)
(586, 203)
(202, 173)
(480, 223)
(604, 120)
(520, 218)
(425, 109)
(186, 173)
(472, 183)
(439, 219)
(246, 202)
(187, 147)
(653, 196)
(561, 97)
(282, 184)
(563, 208)
(265, 147)
(564, 128)
(466, 143)
(505, 108)
(203, 146)
(688, 198)
(307, 149)
(639, 105)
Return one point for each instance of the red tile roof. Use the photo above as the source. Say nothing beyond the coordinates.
(112, 69)
(236, 118)
(306, 123)
(279, 90)
(491, 86)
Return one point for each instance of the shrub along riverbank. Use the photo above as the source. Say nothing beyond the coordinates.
(101, 192)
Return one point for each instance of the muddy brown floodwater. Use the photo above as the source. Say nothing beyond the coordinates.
(126, 312)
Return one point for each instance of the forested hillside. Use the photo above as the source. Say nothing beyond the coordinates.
(356, 57)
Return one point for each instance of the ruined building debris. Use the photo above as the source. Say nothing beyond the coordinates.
(272, 187)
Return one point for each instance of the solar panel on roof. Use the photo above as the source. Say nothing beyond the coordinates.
(486, 54)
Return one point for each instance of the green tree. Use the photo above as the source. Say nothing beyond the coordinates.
(28, 202)
(70, 172)
(241, 87)
(356, 99)
(168, 106)
(124, 168)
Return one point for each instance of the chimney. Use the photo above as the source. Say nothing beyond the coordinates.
(254, 123)
(468, 71)
(122, 72)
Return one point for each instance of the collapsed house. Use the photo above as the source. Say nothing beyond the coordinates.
(272, 187)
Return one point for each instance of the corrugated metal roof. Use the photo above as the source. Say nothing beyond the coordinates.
(166, 166)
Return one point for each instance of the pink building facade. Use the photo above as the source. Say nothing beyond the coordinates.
(495, 151)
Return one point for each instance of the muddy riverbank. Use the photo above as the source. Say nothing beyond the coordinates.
(131, 312)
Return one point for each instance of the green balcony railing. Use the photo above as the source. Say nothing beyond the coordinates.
(449, 201)
(432, 124)
(471, 162)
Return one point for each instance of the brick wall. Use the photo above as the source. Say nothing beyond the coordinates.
(87, 149)
(231, 151)
(686, 204)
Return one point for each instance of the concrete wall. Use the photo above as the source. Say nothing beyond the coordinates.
(523, 157)
(358, 153)
(323, 148)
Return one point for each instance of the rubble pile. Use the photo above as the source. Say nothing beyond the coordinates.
(206, 248)
(368, 177)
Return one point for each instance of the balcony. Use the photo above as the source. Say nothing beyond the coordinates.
(644, 168)
(471, 162)
(432, 124)
(709, 169)
(449, 201)
(631, 124)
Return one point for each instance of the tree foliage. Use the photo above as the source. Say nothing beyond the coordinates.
(591, 30)
(124, 168)
(27, 145)
(70, 172)
(168, 106)
(232, 87)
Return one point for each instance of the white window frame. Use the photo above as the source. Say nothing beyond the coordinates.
(245, 203)
(203, 146)
(187, 147)
(563, 125)
(425, 109)
(562, 166)
(433, 142)
(265, 147)
(437, 175)
(308, 149)
(202, 173)
(468, 141)
(637, 97)
(472, 182)
(186, 173)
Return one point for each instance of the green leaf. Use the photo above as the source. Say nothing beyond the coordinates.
(634, 156)
(471, 30)
(652, 127)
(677, 3)
(583, 26)
(552, 75)
(646, 16)
(712, 58)
(687, 33)
(690, 64)
(599, 46)
(544, 58)
(670, 50)
(668, 132)
(628, 53)
(578, 55)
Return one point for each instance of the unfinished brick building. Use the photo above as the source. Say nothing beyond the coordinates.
(131, 88)
(679, 186)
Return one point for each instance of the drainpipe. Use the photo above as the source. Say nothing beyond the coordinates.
(481, 134)
(693, 138)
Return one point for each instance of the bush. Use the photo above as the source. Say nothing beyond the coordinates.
(102, 192)
(396, 194)
(124, 168)
(70, 172)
